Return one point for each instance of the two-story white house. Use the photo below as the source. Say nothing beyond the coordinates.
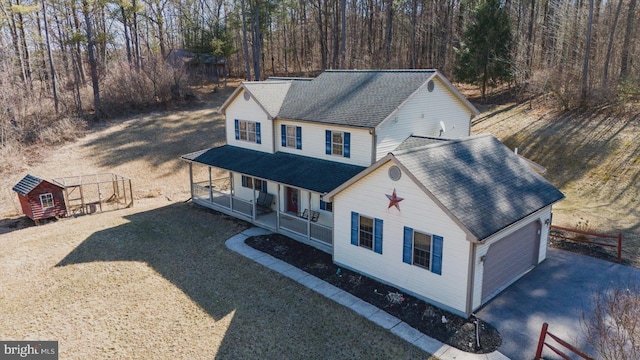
(378, 169)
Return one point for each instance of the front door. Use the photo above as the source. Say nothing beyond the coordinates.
(293, 196)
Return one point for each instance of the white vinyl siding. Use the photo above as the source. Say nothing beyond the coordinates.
(314, 142)
(248, 110)
(421, 116)
(418, 211)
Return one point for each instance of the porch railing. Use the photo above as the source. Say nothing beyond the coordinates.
(203, 192)
(302, 227)
(290, 222)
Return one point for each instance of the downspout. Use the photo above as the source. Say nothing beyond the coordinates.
(374, 142)
(471, 277)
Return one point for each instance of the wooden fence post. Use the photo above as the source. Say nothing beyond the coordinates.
(543, 335)
(619, 246)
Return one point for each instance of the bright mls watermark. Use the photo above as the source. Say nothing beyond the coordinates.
(38, 350)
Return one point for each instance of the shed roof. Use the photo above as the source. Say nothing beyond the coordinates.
(477, 180)
(28, 183)
(304, 172)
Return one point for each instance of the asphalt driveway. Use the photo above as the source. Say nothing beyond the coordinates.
(556, 292)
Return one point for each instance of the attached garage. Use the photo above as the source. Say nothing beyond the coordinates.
(509, 258)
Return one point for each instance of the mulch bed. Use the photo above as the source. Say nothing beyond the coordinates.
(432, 321)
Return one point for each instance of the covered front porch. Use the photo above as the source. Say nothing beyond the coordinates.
(278, 191)
(218, 194)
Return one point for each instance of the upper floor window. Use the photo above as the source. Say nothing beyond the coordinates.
(366, 232)
(46, 200)
(291, 136)
(338, 143)
(247, 131)
(423, 250)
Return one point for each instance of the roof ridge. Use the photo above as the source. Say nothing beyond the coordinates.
(442, 143)
(380, 70)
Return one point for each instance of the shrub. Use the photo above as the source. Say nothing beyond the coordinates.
(613, 326)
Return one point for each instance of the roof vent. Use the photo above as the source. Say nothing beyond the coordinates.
(246, 95)
(395, 173)
(430, 85)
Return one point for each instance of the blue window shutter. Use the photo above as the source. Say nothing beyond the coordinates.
(407, 248)
(355, 218)
(328, 141)
(347, 144)
(283, 135)
(244, 181)
(323, 205)
(258, 140)
(436, 265)
(264, 186)
(298, 137)
(237, 127)
(377, 241)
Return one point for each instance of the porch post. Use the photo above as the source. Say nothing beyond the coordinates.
(310, 216)
(278, 207)
(210, 186)
(232, 191)
(191, 178)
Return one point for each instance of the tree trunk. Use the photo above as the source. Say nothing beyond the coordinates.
(624, 66)
(412, 35)
(587, 55)
(127, 40)
(605, 79)
(343, 33)
(389, 32)
(92, 58)
(245, 43)
(51, 67)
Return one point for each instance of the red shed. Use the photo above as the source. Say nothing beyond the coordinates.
(40, 199)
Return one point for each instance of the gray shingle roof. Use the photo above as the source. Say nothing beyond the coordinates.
(269, 94)
(362, 98)
(300, 171)
(27, 184)
(481, 182)
(418, 141)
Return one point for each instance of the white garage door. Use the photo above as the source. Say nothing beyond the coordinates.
(510, 258)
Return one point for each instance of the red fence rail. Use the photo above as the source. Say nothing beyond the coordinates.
(542, 342)
(617, 245)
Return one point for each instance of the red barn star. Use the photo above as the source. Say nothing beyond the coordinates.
(394, 200)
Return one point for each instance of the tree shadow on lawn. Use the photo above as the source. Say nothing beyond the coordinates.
(272, 316)
(159, 139)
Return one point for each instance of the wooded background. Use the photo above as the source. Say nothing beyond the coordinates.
(64, 58)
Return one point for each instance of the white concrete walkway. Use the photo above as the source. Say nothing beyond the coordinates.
(378, 316)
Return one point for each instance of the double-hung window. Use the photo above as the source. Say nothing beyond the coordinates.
(326, 206)
(247, 131)
(253, 183)
(366, 232)
(291, 136)
(422, 250)
(338, 143)
(46, 200)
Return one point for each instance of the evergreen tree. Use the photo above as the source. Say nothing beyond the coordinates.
(484, 56)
